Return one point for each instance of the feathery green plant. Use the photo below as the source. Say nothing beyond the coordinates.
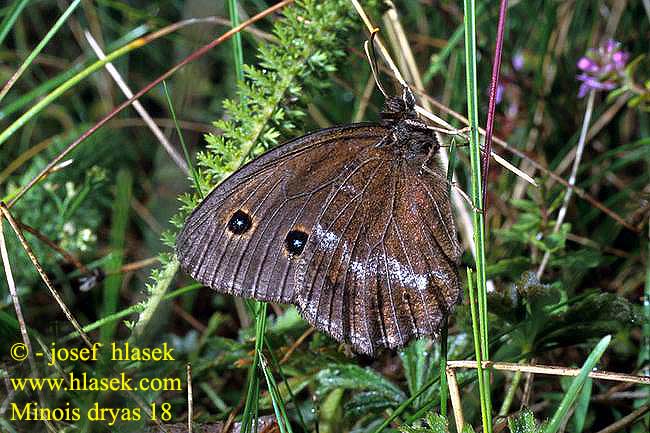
(266, 110)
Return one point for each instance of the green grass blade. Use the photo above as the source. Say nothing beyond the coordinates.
(119, 223)
(37, 50)
(485, 415)
(238, 53)
(30, 96)
(188, 160)
(572, 394)
(442, 369)
(582, 407)
(476, 194)
(65, 86)
(10, 19)
(252, 384)
(276, 365)
(278, 403)
(40, 90)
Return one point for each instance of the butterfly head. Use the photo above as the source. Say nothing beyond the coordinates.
(412, 136)
(399, 107)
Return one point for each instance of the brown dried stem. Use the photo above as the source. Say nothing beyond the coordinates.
(553, 371)
(41, 272)
(454, 394)
(626, 420)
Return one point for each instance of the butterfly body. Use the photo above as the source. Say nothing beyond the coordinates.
(351, 224)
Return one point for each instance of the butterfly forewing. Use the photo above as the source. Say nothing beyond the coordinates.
(246, 236)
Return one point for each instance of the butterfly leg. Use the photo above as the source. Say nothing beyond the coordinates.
(454, 185)
(424, 127)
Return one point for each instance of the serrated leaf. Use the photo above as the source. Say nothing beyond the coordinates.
(353, 377)
(525, 422)
(365, 403)
(581, 259)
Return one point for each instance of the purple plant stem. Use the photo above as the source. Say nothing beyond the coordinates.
(496, 69)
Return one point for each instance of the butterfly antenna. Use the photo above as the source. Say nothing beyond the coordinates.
(369, 48)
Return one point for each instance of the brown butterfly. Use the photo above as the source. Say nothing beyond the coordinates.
(351, 224)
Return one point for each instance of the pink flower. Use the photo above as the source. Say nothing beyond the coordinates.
(602, 68)
(499, 94)
(518, 61)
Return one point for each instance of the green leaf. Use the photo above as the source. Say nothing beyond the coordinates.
(582, 407)
(365, 403)
(576, 385)
(287, 322)
(554, 241)
(419, 360)
(509, 267)
(526, 205)
(330, 412)
(353, 377)
(578, 260)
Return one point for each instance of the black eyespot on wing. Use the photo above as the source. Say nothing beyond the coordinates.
(295, 242)
(240, 222)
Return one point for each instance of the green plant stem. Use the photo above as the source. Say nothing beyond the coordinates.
(37, 50)
(444, 391)
(510, 394)
(238, 53)
(576, 385)
(156, 295)
(485, 418)
(477, 198)
(252, 388)
(276, 398)
(276, 365)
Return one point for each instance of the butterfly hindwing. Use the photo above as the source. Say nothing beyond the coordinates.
(380, 268)
(241, 237)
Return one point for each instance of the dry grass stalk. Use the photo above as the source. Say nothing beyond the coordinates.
(553, 371)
